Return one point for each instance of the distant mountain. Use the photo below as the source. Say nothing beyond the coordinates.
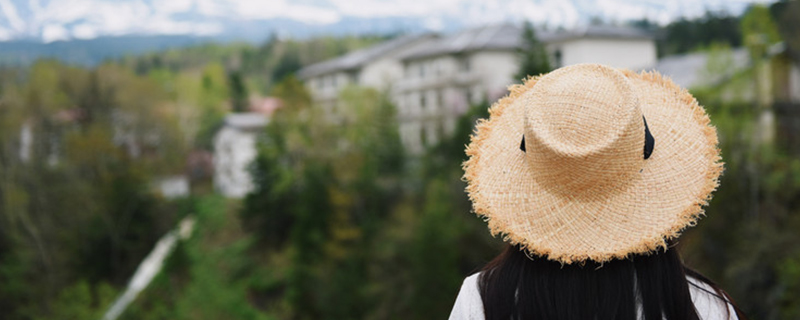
(88, 31)
(92, 51)
(89, 52)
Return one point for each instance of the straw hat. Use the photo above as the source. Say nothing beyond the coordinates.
(593, 163)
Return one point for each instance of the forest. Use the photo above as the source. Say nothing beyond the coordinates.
(343, 223)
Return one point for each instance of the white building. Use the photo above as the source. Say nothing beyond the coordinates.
(172, 187)
(376, 67)
(619, 47)
(234, 149)
(691, 70)
(443, 79)
(433, 80)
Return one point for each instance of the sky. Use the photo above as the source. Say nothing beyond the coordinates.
(52, 20)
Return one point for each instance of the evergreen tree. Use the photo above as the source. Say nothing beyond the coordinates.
(533, 55)
(238, 91)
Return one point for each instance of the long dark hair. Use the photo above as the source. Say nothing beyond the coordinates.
(517, 286)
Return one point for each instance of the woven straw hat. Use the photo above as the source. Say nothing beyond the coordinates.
(566, 166)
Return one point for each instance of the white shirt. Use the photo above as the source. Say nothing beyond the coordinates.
(469, 305)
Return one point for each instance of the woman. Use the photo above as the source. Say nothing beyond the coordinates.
(591, 173)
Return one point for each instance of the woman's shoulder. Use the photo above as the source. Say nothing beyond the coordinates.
(710, 304)
(469, 304)
(472, 280)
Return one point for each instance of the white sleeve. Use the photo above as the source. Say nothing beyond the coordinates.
(708, 305)
(469, 305)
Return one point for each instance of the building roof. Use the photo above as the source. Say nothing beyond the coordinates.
(357, 59)
(599, 31)
(246, 121)
(688, 70)
(505, 36)
(509, 37)
(494, 37)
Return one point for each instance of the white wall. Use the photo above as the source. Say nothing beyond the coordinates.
(449, 84)
(620, 53)
(380, 74)
(495, 71)
(327, 86)
(794, 83)
(172, 187)
(234, 149)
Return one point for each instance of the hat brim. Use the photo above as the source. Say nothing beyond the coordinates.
(666, 197)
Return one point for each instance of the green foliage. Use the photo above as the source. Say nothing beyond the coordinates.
(758, 31)
(289, 64)
(434, 262)
(785, 14)
(260, 67)
(789, 286)
(746, 242)
(293, 93)
(533, 56)
(238, 92)
(342, 224)
(209, 275)
(77, 209)
(684, 35)
(340, 203)
(82, 301)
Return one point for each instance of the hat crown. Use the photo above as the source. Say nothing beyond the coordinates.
(584, 129)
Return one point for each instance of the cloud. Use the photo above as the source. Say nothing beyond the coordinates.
(92, 18)
(54, 32)
(167, 7)
(10, 11)
(84, 31)
(6, 34)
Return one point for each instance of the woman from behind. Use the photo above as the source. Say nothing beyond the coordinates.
(591, 173)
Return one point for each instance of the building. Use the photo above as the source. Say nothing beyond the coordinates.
(693, 70)
(620, 47)
(443, 79)
(434, 79)
(234, 149)
(769, 84)
(376, 67)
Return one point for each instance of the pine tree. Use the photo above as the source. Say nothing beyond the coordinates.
(534, 60)
(238, 92)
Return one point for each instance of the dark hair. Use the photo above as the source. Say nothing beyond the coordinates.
(516, 286)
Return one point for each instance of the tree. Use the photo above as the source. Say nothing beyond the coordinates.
(758, 31)
(79, 208)
(685, 35)
(238, 92)
(533, 55)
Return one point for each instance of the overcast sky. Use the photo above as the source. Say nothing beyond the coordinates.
(64, 19)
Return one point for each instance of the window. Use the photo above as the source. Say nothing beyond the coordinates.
(557, 58)
(352, 77)
(464, 65)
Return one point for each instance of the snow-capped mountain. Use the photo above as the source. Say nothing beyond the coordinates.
(57, 20)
